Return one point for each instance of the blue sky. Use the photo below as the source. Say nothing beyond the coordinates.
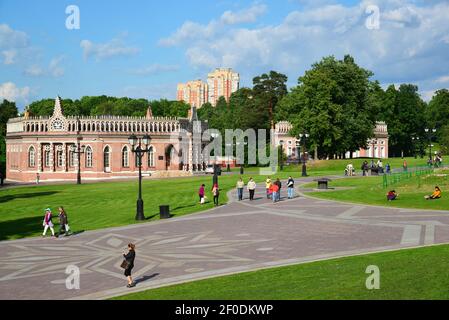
(144, 48)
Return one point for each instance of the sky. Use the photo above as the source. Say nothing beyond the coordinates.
(143, 48)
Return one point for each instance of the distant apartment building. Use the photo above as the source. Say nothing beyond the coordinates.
(194, 93)
(222, 83)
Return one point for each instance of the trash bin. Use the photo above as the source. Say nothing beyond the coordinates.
(164, 212)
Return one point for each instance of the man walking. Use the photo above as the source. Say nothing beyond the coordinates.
(240, 186)
(290, 187)
(279, 185)
(251, 188)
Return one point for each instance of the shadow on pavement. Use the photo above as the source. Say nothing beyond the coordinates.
(145, 278)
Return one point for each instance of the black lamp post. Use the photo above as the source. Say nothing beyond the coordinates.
(78, 150)
(374, 142)
(215, 135)
(415, 142)
(430, 134)
(281, 143)
(303, 138)
(134, 141)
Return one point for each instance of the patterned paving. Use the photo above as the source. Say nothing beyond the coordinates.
(237, 237)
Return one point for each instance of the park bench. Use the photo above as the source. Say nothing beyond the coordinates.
(323, 183)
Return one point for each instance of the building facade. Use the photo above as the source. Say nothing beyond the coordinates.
(377, 147)
(222, 82)
(45, 146)
(194, 93)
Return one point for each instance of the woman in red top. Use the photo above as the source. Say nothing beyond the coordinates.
(215, 193)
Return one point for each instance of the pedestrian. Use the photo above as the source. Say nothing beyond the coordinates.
(290, 187)
(63, 222)
(47, 223)
(251, 188)
(37, 178)
(201, 193)
(279, 184)
(128, 264)
(388, 168)
(404, 165)
(240, 186)
(275, 192)
(268, 187)
(216, 193)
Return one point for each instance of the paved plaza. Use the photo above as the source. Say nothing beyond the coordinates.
(237, 237)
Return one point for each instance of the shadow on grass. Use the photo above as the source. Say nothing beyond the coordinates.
(20, 228)
(26, 196)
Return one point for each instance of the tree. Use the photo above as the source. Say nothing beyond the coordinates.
(438, 110)
(8, 110)
(268, 90)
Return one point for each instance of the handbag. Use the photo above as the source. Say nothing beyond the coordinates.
(125, 264)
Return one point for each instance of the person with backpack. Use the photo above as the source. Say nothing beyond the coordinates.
(279, 184)
(215, 193)
(47, 223)
(290, 187)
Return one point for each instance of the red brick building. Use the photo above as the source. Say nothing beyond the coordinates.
(45, 146)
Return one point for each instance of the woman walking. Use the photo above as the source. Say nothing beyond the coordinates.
(201, 193)
(215, 193)
(130, 256)
(251, 188)
(47, 223)
(63, 221)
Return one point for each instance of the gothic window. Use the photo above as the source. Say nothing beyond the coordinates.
(151, 157)
(47, 158)
(125, 157)
(59, 158)
(31, 157)
(89, 158)
(107, 158)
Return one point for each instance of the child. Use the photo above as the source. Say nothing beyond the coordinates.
(201, 193)
(48, 223)
(435, 195)
(392, 195)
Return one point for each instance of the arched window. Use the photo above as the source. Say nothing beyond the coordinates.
(89, 157)
(31, 157)
(125, 157)
(107, 159)
(47, 158)
(151, 157)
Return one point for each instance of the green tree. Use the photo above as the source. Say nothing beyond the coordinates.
(8, 110)
(438, 110)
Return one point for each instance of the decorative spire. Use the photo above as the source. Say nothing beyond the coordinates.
(57, 111)
(149, 113)
(193, 116)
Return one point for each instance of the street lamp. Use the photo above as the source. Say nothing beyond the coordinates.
(303, 138)
(134, 141)
(215, 135)
(415, 141)
(374, 142)
(78, 149)
(281, 143)
(430, 134)
(241, 164)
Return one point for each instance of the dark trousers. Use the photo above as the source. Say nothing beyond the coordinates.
(251, 194)
(216, 200)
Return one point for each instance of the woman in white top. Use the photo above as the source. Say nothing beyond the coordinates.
(251, 188)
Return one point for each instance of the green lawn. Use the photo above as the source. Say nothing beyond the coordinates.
(404, 274)
(369, 190)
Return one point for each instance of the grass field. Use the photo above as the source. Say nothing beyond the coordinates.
(404, 274)
(369, 190)
(109, 204)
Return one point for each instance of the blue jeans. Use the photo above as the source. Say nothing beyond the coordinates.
(240, 193)
(291, 192)
(275, 196)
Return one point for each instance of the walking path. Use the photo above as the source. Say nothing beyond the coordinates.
(238, 237)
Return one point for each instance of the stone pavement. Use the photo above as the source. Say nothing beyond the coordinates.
(238, 237)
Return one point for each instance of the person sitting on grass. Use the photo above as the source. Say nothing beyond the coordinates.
(392, 195)
(435, 195)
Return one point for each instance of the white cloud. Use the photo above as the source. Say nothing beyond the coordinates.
(113, 48)
(54, 69)
(11, 92)
(12, 42)
(410, 46)
(154, 69)
(442, 79)
(244, 16)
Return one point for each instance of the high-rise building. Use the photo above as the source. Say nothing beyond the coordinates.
(193, 92)
(222, 83)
